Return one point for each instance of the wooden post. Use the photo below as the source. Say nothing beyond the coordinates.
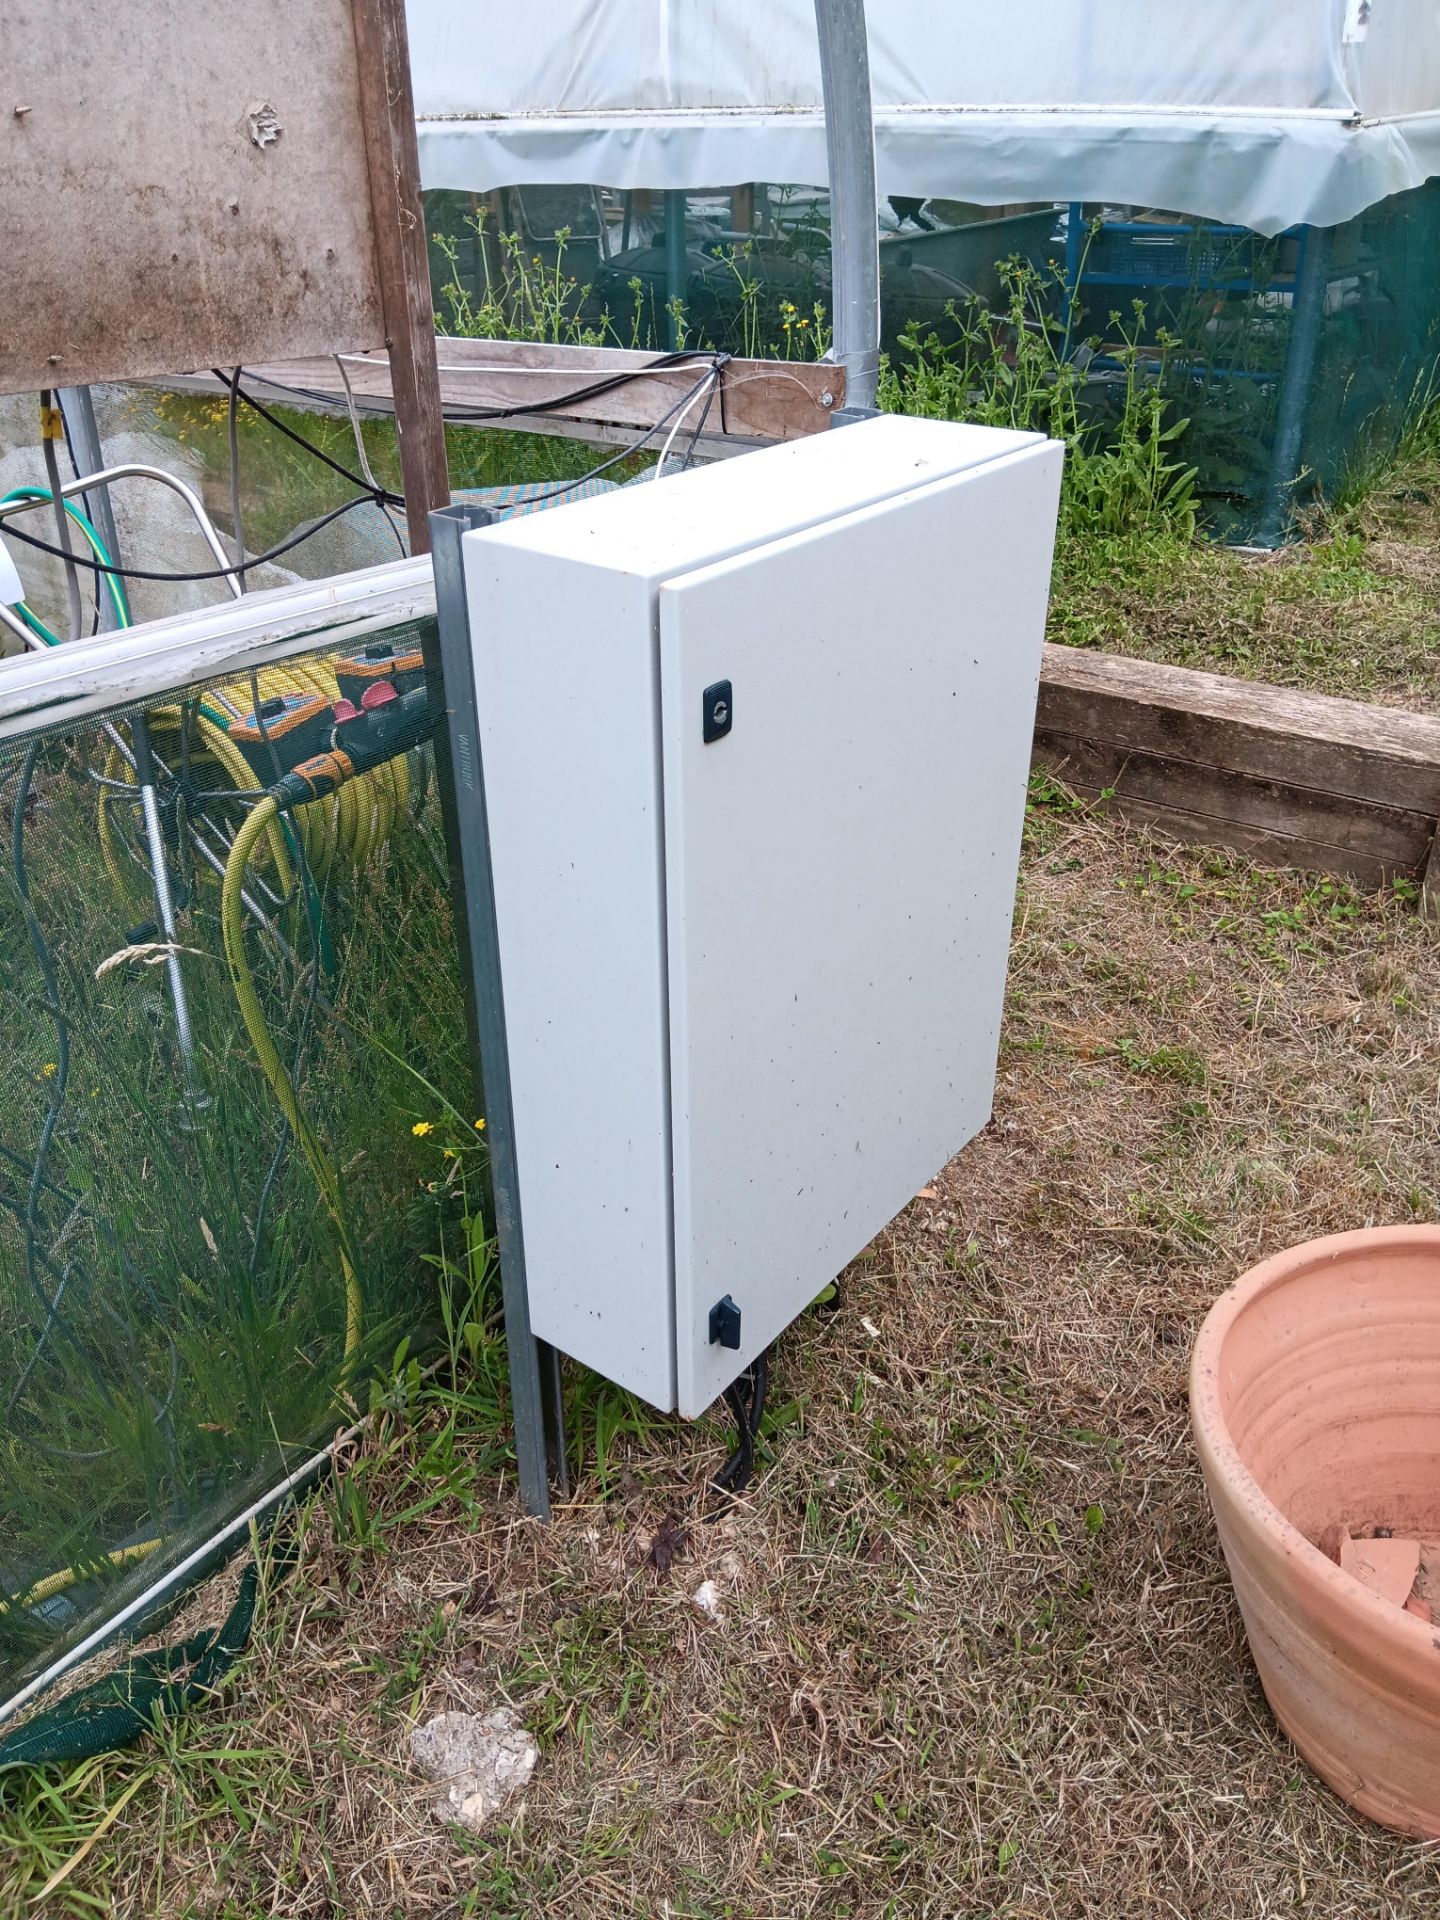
(387, 109)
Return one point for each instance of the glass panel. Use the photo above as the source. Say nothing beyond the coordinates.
(229, 1164)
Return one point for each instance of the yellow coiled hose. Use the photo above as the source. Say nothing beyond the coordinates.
(347, 826)
(350, 825)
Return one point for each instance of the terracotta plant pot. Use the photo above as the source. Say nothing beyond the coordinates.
(1315, 1399)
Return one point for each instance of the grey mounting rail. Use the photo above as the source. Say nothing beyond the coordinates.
(536, 1391)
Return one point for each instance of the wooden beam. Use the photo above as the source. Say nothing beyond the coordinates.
(757, 400)
(387, 108)
(711, 446)
(1295, 779)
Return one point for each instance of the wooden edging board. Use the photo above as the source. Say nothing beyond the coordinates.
(1293, 779)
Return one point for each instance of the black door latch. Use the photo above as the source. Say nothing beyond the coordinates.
(717, 708)
(725, 1323)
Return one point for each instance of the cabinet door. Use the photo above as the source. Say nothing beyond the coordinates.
(840, 876)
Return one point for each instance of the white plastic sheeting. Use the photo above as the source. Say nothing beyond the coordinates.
(1266, 115)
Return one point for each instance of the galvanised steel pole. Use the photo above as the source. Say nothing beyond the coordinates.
(854, 225)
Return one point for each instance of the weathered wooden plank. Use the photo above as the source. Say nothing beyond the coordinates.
(711, 446)
(387, 108)
(1256, 843)
(1386, 755)
(1317, 829)
(755, 399)
(1302, 779)
(180, 185)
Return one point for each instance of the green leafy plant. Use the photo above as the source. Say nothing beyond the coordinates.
(522, 298)
(1018, 368)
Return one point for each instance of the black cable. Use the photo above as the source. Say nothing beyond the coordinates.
(237, 392)
(596, 391)
(381, 496)
(215, 573)
(403, 550)
(749, 1411)
(569, 486)
(235, 515)
(704, 416)
(459, 416)
(365, 499)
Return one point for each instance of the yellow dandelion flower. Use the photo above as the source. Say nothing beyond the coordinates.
(49, 1069)
(480, 1124)
(421, 1128)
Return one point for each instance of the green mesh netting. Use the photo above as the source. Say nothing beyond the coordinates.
(119, 1709)
(1277, 408)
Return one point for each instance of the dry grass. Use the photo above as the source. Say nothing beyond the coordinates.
(979, 1653)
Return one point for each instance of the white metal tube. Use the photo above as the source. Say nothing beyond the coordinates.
(92, 482)
(142, 1602)
(33, 642)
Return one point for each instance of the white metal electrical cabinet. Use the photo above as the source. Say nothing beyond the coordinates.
(754, 746)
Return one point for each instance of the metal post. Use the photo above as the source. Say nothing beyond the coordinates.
(1074, 230)
(854, 224)
(79, 411)
(1312, 280)
(534, 1364)
(197, 1100)
(675, 275)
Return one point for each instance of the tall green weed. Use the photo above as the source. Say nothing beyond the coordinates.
(1019, 368)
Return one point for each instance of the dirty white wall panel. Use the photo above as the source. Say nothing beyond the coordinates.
(588, 56)
(180, 185)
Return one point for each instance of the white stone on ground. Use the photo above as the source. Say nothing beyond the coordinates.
(480, 1761)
